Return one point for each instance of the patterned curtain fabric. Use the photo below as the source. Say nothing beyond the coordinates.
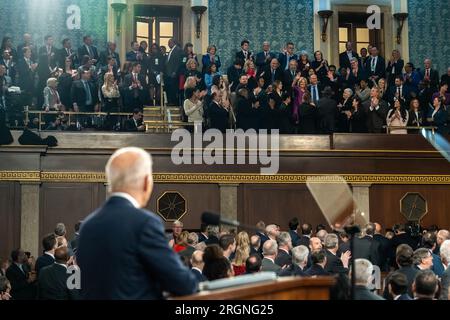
(42, 17)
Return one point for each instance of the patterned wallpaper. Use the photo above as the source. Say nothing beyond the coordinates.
(60, 18)
(231, 21)
(429, 32)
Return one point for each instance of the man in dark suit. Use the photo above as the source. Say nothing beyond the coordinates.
(318, 260)
(73, 244)
(346, 57)
(376, 66)
(376, 111)
(263, 58)
(384, 244)
(335, 264)
(27, 42)
(135, 124)
(289, 76)
(48, 258)
(306, 235)
(52, 281)
(366, 247)
(47, 63)
(244, 54)
(315, 89)
(327, 111)
(134, 85)
(270, 250)
(110, 52)
(21, 279)
(234, 72)
(87, 49)
(271, 73)
(285, 57)
(172, 65)
(197, 265)
(430, 74)
(426, 285)
(67, 52)
(84, 93)
(135, 55)
(283, 257)
(399, 91)
(299, 262)
(398, 287)
(293, 226)
(140, 265)
(9, 63)
(26, 69)
(445, 278)
(363, 273)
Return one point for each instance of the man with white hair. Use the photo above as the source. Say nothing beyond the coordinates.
(321, 234)
(335, 264)
(272, 231)
(284, 246)
(197, 265)
(299, 262)
(140, 264)
(363, 274)
(445, 279)
(270, 250)
(441, 236)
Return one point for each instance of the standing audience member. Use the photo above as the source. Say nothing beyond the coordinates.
(445, 278)
(363, 275)
(270, 250)
(22, 279)
(425, 286)
(49, 244)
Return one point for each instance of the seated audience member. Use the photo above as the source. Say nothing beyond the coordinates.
(398, 287)
(299, 262)
(397, 117)
(404, 260)
(181, 242)
(197, 265)
(255, 242)
(135, 124)
(216, 265)
(253, 264)
(318, 260)
(270, 250)
(22, 279)
(218, 113)
(49, 244)
(242, 252)
(335, 264)
(5, 288)
(423, 259)
(437, 116)
(211, 58)
(52, 281)
(227, 243)
(425, 285)
(283, 257)
(363, 275)
(177, 229)
(445, 278)
(191, 242)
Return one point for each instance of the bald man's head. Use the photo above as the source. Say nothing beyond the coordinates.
(129, 170)
(197, 259)
(62, 255)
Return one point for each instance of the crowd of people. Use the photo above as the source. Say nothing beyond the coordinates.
(295, 93)
(416, 262)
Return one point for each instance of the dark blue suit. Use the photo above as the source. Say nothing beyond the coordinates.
(283, 60)
(261, 61)
(198, 275)
(123, 254)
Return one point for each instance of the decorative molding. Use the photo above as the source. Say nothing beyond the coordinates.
(231, 178)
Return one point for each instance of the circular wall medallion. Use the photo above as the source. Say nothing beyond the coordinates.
(413, 206)
(171, 206)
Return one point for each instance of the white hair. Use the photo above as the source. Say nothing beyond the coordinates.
(129, 177)
(321, 235)
(363, 271)
(445, 251)
(270, 248)
(271, 228)
(331, 241)
(284, 238)
(350, 91)
(299, 254)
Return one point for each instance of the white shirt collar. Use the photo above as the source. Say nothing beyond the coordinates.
(50, 254)
(195, 268)
(62, 264)
(128, 197)
(269, 259)
(284, 250)
(397, 297)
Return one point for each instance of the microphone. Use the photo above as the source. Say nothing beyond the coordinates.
(215, 219)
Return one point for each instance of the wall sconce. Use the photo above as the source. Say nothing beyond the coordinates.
(400, 17)
(199, 7)
(325, 15)
(118, 6)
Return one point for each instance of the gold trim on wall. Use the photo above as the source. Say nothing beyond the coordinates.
(230, 178)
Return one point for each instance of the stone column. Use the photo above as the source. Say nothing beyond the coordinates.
(228, 200)
(29, 218)
(362, 198)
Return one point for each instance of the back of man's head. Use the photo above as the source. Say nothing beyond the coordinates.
(61, 255)
(306, 229)
(261, 226)
(429, 240)
(425, 284)
(404, 255)
(197, 259)
(398, 283)
(363, 271)
(77, 226)
(445, 252)
(293, 224)
(253, 264)
(369, 229)
(284, 239)
(271, 230)
(270, 248)
(331, 241)
(226, 241)
(318, 257)
(255, 241)
(49, 242)
(300, 255)
(60, 230)
(321, 234)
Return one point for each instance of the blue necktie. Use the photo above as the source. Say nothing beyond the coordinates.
(88, 93)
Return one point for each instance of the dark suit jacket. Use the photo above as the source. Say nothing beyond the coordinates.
(198, 275)
(268, 265)
(269, 78)
(362, 293)
(130, 126)
(240, 55)
(398, 69)
(104, 55)
(20, 288)
(283, 59)
(25, 76)
(129, 94)
(440, 120)
(294, 237)
(134, 57)
(445, 283)
(11, 71)
(83, 51)
(288, 78)
(380, 68)
(367, 248)
(344, 61)
(206, 62)
(218, 117)
(78, 94)
(358, 121)
(434, 77)
(261, 60)
(52, 284)
(316, 270)
(233, 77)
(282, 259)
(63, 54)
(140, 263)
(303, 241)
(187, 252)
(410, 272)
(334, 264)
(46, 62)
(43, 261)
(384, 250)
(376, 119)
(292, 270)
(172, 66)
(404, 297)
(327, 111)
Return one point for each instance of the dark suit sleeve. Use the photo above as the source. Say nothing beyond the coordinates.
(445, 282)
(162, 262)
